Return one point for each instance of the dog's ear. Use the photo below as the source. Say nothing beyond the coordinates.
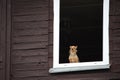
(76, 47)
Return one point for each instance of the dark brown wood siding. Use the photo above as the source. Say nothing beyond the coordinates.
(114, 35)
(2, 38)
(30, 41)
(30, 19)
(2, 75)
(5, 39)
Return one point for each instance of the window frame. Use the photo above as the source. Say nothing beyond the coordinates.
(66, 67)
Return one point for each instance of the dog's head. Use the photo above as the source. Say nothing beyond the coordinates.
(73, 49)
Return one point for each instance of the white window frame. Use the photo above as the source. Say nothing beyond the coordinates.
(66, 67)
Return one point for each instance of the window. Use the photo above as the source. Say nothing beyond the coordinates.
(81, 35)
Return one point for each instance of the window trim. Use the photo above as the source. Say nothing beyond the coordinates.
(66, 67)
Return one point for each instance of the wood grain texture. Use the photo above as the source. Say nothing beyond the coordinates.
(30, 25)
(50, 51)
(8, 39)
(1, 54)
(115, 18)
(23, 4)
(32, 43)
(30, 59)
(51, 26)
(29, 56)
(115, 67)
(4, 39)
(30, 32)
(1, 74)
(25, 11)
(26, 39)
(84, 79)
(1, 66)
(26, 18)
(32, 78)
(36, 45)
(114, 7)
(36, 52)
(30, 73)
(30, 66)
(89, 74)
(114, 35)
(50, 38)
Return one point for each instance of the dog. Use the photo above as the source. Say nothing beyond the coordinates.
(73, 58)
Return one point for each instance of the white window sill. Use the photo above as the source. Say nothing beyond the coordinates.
(79, 68)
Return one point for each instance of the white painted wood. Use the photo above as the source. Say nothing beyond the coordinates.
(77, 68)
(56, 33)
(106, 32)
(82, 65)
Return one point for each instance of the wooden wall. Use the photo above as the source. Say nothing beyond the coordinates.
(2, 67)
(29, 54)
(114, 35)
(5, 30)
(31, 44)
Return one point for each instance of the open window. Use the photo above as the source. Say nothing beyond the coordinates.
(81, 35)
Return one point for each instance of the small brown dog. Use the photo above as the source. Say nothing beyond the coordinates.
(73, 58)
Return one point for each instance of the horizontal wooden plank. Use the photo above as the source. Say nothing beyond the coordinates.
(30, 25)
(51, 3)
(116, 45)
(1, 62)
(26, 11)
(114, 7)
(90, 75)
(116, 32)
(83, 79)
(114, 79)
(36, 52)
(32, 78)
(26, 0)
(110, 33)
(1, 59)
(115, 19)
(29, 59)
(50, 38)
(37, 45)
(111, 46)
(30, 66)
(1, 66)
(115, 60)
(51, 12)
(114, 11)
(35, 73)
(50, 61)
(50, 50)
(30, 32)
(1, 74)
(29, 3)
(115, 67)
(115, 39)
(115, 54)
(50, 26)
(114, 25)
(23, 18)
(26, 39)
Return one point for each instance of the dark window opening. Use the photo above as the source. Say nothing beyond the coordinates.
(81, 24)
